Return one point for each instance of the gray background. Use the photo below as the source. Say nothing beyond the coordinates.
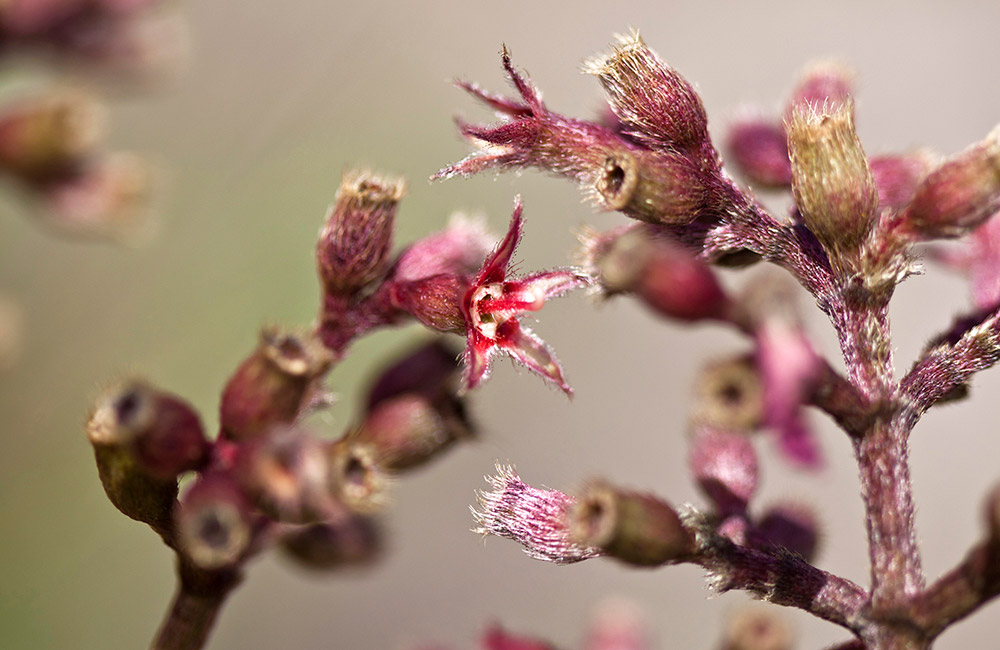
(277, 100)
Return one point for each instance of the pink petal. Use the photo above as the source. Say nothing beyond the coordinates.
(531, 352)
(478, 359)
(495, 267)
(798, 444)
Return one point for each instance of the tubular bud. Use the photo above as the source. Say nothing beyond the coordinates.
(349, 540)
(791, 526)
(759, 147)
(824, 83)
(161, 432)
(435, 301)
(356, 478)
(274, 384)
(214, 522)
(833, 184)
(649, 186)
(638, 529)
(729, 395)
(960, 194)
(354, 242)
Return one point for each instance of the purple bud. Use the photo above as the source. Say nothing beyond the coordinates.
(274, 385)
(826, 83)
(459, 250)
(758, 146)
(346, 541)
(430, 370)
(214, 522)
(898, 177)
(496, 638)
(435, 301)
(355, 241)
(725, 467)
(618, 625)
(791, 526)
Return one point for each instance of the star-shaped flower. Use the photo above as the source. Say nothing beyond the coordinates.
(493, 303)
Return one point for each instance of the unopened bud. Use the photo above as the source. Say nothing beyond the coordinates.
(355, 241)
(162, 432)
(729, 395)
(760, 149)
(459, 249)
(825, 83)
(356, 478)
(791, 526)
(431, 370)
(960, 194)
(833, 185)
(757, 629)
(408, 430)
(349, 540)
(274, 384)
(214, 522)
(725, 467)
(284, 473)
(898, 177)
(435, 301)
(659, 106)
(655, 187)
(45, 136)
(636, 528)
(618, 624)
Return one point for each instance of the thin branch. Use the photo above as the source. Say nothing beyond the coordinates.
(961, 591)
(191, 617)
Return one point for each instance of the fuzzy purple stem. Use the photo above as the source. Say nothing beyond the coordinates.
(191, 617)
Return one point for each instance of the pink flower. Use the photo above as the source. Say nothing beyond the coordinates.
(493, 303)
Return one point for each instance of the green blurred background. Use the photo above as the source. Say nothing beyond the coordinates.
(279, 98)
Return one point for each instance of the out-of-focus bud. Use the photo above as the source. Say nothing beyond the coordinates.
(496, 638)
(898, 177)
(833, 185)
(435, 301)
(659, 107)
(667, 277)
(355, 476)
(638, 529)
(655, 187)
(285, 473)
(348, 540)
(991, 515)
(725, 467)
(162, 432)
(824, 83)
(459, 250)
(760, 148)
(960, 194)
(106, 197)
(355, 241)
(757, 629)
(431, 370)
(47, 135)
(792, 526)
(214, 522)
(729, 395)
(617, 625)
(274, 384)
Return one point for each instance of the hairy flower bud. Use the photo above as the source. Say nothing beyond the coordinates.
(435, 301)
(729, 395)
(347, 540)
(161, 432)
(274, 384)
(356, 477)
(760, 148)
(214, 522)
(898, 177)
(960, 193)
(655, 187)
(658, 106)
(832, 182)
(824, 83)
(638, 529)
(354, 242)
(792, 526)
(725, 467)
(47, 135)
(431, 370)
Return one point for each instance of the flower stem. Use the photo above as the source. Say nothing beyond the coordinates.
(199, 597)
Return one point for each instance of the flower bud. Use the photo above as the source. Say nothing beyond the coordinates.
(355, 477)
(960, 194)
(214, 522)
(638, 529)
(47, 135)
(348, 540)
(825, 83)
(356, 239)
(729, 395)
(791, 526)
(725, 467)
(459, 250)
(757, 629)
(760, 149)
(284, 473)
(991, 515)
(617, 624)
(650, 186)
(496, 638)
(898, 177)
(431, 370)
(274, 384)
(435, 301)
(659, 107)
(162, 433)
(833, 185)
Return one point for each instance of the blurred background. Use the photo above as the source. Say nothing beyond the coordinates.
(275, 101)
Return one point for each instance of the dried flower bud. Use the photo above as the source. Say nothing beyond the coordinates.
(536, 519)
(638, 529)
(659, 107)
(349, 540)
(757, 629)
(960, 194)
(792, 526)
(760, 148)
(356, 478)
(274, 384)
(655, 187)
(725, 467)
(825, 83)
(729, 395)
(285, 474)
(162, 432)
(48, 135)
(214, 522)
(833, 185)
(355, 241)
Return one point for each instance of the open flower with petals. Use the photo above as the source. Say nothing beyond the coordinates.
(494, 301)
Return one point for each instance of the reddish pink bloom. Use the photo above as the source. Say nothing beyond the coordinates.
(494, 301)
